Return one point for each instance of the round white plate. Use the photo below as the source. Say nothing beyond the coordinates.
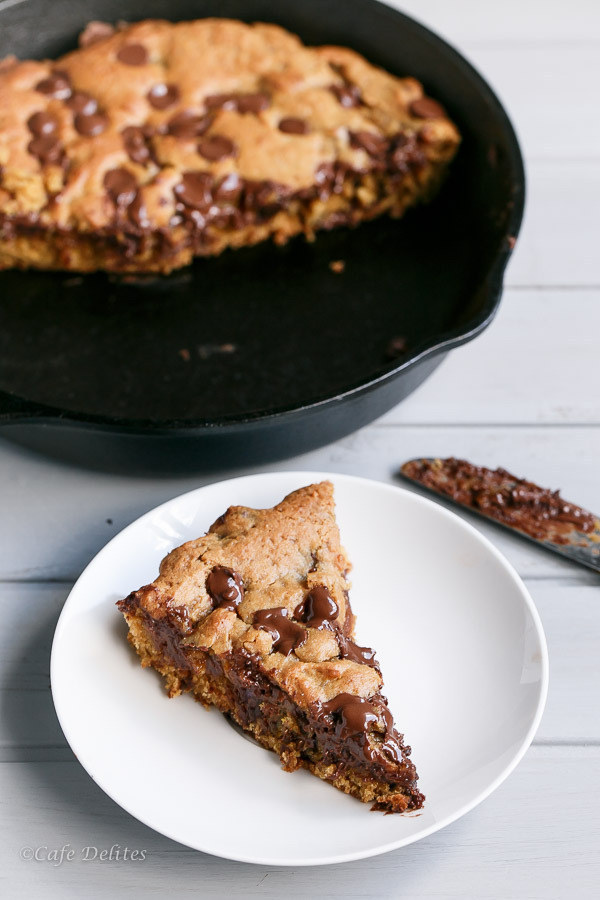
(459, 640)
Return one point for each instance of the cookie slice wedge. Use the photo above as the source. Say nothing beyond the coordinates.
(255, 618)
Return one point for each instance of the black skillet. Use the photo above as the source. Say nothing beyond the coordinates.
(265, 352)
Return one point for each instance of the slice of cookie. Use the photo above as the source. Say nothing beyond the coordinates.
(157, 142)
(255, 618)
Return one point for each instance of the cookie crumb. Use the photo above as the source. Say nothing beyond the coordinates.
(337, 266)
(396, 347)
(205, 351)
(184, 354)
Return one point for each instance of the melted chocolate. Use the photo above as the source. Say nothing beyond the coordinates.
(287, 635)
(195, 190)
(318, 609)
(363, 655)
(356, 719)
(225, 588)
(539, 512)
(133, 55)
(228, 188)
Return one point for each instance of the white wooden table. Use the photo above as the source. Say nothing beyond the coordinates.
(525, 395)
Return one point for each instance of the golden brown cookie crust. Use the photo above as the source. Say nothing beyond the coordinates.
(100, 151)
(283, 688)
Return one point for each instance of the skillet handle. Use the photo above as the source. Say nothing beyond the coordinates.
(15, 409)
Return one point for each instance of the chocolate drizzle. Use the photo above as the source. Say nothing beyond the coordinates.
(287, 635)
(363, 655)
(225, 587)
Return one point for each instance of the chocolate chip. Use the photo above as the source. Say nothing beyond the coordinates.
(90, 126)
(242, 103)
(57, 85)
(82, 103)
(134, 140)
(94, 32)
(228, 188)
(374, 144)
(47, 148)
(186, 125)
(137, 212)
(347, 94)
(133, 55)
(195, 190)
(426, 108)
(221, 101)
(41, 123)
(253, 103)
(291, 125)
(121, 186)
(216, 147)
(161, 96)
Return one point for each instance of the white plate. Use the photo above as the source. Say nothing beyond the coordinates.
(462, 652)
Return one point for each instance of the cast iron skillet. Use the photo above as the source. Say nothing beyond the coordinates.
(262, 353)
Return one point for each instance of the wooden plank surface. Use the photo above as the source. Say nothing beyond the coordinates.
(530, 840)
(569, 612)
(76, 513)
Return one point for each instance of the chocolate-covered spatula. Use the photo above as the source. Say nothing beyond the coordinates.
(532, 512)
